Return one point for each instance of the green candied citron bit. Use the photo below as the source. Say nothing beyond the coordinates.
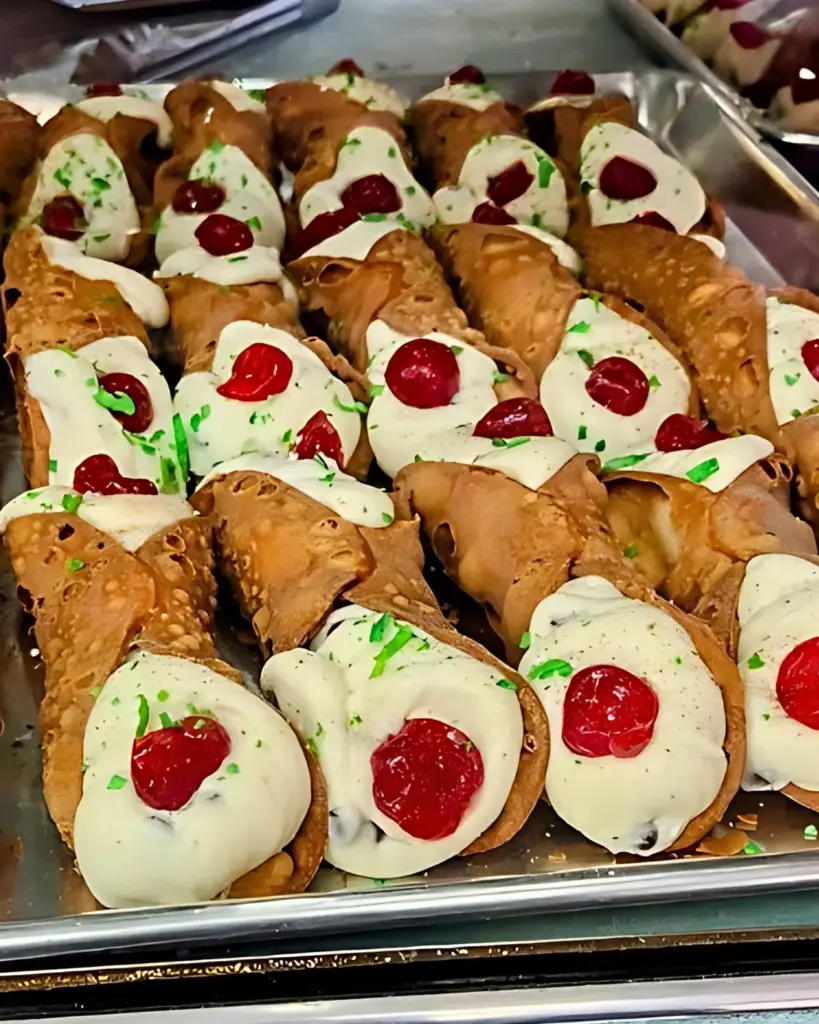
(752, 848)
(67, 350)
(71, 502)
(355, 407)
(376, 390)
(653, 382)
(236, 259)
(328, 479)
(216, 146)
(232, 768)
(256, 94)
(791, 380)
(755, 661)
(766, 716)
(287, 436)
(525, 641)
(389, 650)
(144, 713)
(622, 463)
(547, 669)
(254, 224)
(810, 832)
(166, 721)
(198, 417)
(581, 327)
(392, 152)
(631, 551)
(581, 432)
(512, 442)
(74, 565)
(168, 479)
(500, 378)
(507, 684)
(52, 465)
(350, 143)
(157, 434)
(545, 170)
(118, 402)
(795, 413)
(100, 184)
(94, 692)
(536, 220)
(162, 696)
(600, 446)
(423, 645)
(33, 494)
(703, 470)
(456, 349)
(61, 177)
(355, 720)
(117, 782)
(587, 357)
(181, 443)
(387, 518)
(377, 631)
(320, 461)
(374, 218)
(678, 660)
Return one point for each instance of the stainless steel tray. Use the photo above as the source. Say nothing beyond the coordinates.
(661, 41)
(773, 234)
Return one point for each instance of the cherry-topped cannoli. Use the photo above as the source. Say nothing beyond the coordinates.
(169, 781)
(474, 148)
(91, 185)
(755, 356)
(221, 165)
(647, 739)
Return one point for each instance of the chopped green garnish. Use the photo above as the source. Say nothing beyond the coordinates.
(311, 746)
(62, 178)
(456, 349)
(83, 767)
(545, 170)
(755, 661)
(791, 380)
(59, 373)
(157, 224)
(392, 152)
(355, 407)
(810, 832)
(71, 502)
(166, 721)
(144, 713)
(678, 660)
(752, 848)
(117, 782)
(507, 684)
(581, 327)
(216, 146)
(423, 646)
(355, 720)
(622, 463)
(387, 518)
(586, 187)
(102, 238)
(653, 382)
(631, 551)
(596, 297)
(525, 641)
(376, 390)
(236, 259)
(581, 432)
(258, 743)
(181, 445)
(512, 442)
(33, 494)
(350, 143)
(254, 224)
(600, 446)
(162, 696)
(374, 218)
(167, 471)
(256, 94)
(389, 650)
(499, 377)
(377, 630)
(232, 768)
(410, 190)
(74, 565)
(100, 184)
(118, 402)
(95, 691)
(67, 350)
(157, 434)
(286, 436)
(552, 667)
(587, 357)
(766, 716)
(328, 479)
(196, 419)
(319, 729)
(703, 470)
(536, 220)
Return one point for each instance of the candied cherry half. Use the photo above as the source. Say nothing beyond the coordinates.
(98, 474)
(169, 765)
(258, 372)
(515, 417)
(679, 433)
(423, 373)
(573, 83)
(220, 235)
(64, 217)
(608, 710)
(126, 384)
(199, 196)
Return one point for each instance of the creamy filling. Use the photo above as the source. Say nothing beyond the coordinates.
(320, 479)
(542, 205)
(715, 465)
(678, 196)
(777, 611)
(247, 267)
(705, 33)
(744, 67)
(86, 167)
(249, 197)
(66, 386)
(370, 94)
(716, 246)
(565, 100)
(250, 808)
(328, 693)
(106, 107)
(593, 333)
(239, 98)
(400, 434)
(796, 117)
(43, 105)
(143, 296)
(367, 151)
(638, 804)
(129, 518)
(794, 389)
(220, 428)
(354, 242)
(465, 94)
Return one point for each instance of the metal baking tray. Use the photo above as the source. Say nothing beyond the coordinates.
(661, 41)
(773, 234)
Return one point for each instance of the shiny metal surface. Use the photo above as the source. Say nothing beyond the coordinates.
(773, 234)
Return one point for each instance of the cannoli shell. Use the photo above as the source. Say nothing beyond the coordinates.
(125, 135)
(561, 128)
(688, 538)
(444, 132)
(45, 306)
(508, 546)
(200, 117)
(19, 145)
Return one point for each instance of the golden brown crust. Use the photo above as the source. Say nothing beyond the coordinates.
(46, 306)
(444, 132)
(200, 117)
(561, 129)
(125, 136)
(688, 538)
(19, 145)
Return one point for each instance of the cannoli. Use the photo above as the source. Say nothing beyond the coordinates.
(704, 502)
(19, 144)
(221, 165)
(473, 146)
(143, 728)
(706, 30)
(94, 412)
(89, 185)
(752, 354)
(647, 732)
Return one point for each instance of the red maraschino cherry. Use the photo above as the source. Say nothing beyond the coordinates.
(169, 765)
(748, 36)
(805, 85)
(797, 683)
(347, 67)
(423, 374)
(515, 417)
(259, 372)
(653, 219)
(810, 356)
(64, 217)
(619, 385)
(374, 193)
(318, 436)
(98, 474)
(467, 75)
(321, 228)
(221, 235)
(622, 178)
(573, 83)
(486, 213)
(126, 384)
(509, 184)
(103, 89)
(608, 710)
(678, 433)
(425, 776)
(198, 196)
